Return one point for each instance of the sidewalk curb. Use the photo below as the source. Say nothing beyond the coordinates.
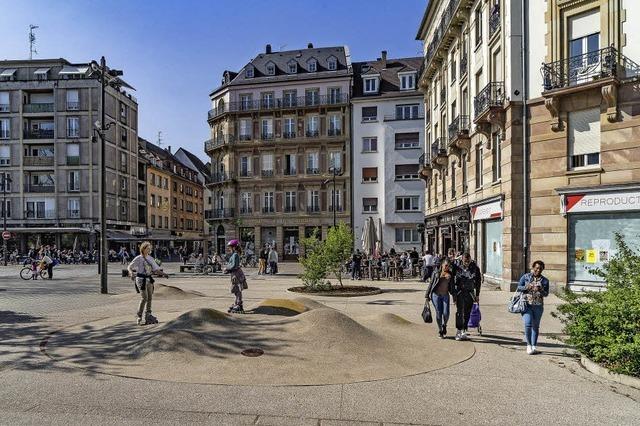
(601, 371)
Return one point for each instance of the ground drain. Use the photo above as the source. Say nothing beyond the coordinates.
(252, 352)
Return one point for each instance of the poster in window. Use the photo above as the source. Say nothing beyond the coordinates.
(580, 254)
(592, 256)
(603, 255)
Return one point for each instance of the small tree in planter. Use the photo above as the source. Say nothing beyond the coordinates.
(337, 250)
(313, 262)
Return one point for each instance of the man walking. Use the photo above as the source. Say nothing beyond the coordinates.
(428, 262)
(466, 290)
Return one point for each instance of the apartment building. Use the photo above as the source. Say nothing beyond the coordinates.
(49, 153)
(585, 135)
(279, 132)
(175, 200)
(472, 85)
(204, 177)
(388, 137)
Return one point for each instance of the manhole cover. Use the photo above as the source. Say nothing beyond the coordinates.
(252, 352)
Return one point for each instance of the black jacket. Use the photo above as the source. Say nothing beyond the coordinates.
(435, 277)
(467, 280)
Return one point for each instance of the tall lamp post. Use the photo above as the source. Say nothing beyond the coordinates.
(335, 171)
(5, 179)
(101, 72)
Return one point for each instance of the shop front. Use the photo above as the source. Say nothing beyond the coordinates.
(593, 220)
(448, 230)
(291, 243)
(487, 234)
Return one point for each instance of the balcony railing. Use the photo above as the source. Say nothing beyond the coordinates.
(73, 160)
(447, 14)
(218, 141)
(313, 171)
(221, 177)
(401, 117)
(591, 66)
(443, 97)
(38, 161)
(73, 214)
(246, 173)
(73, 106)
(289, 135)
(268, 209)
(266, 173)
(290, 172)
(463, 65)
(424, 160)
(334, 132)
(279, 103)
(338, 209)
(5, 107)
(266, 136)
(40, 214)
(290, 209)
(38, 134)
(439, 147)
(459, 126)
(39, 188)
(219, 213)
(5, 134)
(491, 96)
(313, 209)
(312, 133)
(246, 210)
(32, 108)
(244, 137)
(494, 20)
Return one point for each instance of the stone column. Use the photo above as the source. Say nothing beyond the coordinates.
(279, 242)
(257, 238)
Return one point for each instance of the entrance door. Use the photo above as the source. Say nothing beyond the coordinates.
(291, 244)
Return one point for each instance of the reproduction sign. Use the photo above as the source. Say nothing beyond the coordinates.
(602, 202)
(491, 210)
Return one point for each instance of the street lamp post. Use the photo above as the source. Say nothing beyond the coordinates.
(5, 179)
(334, 197)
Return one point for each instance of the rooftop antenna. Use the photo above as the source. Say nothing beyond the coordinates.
(160, 139)
(32, 41)
(282, 47)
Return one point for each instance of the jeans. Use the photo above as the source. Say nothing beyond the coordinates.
(146, 296)
(531, 318)
(441, 305)
(464, 303)
(355, 270)
(426, 273)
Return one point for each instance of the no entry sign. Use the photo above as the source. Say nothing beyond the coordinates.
(6, 235)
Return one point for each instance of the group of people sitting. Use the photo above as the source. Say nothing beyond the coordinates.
(389, 265)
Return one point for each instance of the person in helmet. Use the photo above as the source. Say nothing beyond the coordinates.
(238, 280)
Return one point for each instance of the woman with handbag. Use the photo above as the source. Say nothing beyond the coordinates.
(141, 270)
(534, 287)
(438, 292)
(238, 280)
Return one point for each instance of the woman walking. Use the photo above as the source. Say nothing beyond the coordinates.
(438, 292)
(535, 287)
(141, 269)
(238, 280)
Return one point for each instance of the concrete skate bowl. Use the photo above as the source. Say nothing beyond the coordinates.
(315, 347)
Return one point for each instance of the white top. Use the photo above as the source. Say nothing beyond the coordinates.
(273, 256)
(428, 260)
(143, 265)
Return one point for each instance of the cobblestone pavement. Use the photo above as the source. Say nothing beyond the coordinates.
(498, 385)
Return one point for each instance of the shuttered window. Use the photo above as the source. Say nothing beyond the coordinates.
(369, 205)
(369, 113)
(407, 140)
(369, 174)
(406, 171)
(584, 138)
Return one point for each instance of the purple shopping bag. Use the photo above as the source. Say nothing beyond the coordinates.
(475, 317)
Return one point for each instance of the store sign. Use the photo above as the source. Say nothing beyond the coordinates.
(602, 202)
(487, 211)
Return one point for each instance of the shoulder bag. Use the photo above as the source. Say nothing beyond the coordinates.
(426, 313)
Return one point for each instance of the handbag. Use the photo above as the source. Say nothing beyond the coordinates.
(517, 304)
(426, 313)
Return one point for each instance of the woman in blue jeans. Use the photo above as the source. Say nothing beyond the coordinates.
(535, 287)
(438, 292)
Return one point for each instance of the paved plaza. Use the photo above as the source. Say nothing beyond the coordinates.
(57, 367)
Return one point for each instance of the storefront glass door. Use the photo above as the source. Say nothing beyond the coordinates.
(493, 247)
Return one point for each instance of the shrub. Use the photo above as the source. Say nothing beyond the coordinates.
(313, 263)
(604, 326)
(337, 250)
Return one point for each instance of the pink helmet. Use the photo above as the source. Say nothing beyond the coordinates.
(233, 243)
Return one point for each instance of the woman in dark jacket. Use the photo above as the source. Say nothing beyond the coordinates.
(438, 292)
(535, 287)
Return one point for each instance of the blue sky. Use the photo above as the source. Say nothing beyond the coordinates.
(174, 52)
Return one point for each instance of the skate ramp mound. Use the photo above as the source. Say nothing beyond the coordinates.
(162, 291)
(282, 307)
(317, 346)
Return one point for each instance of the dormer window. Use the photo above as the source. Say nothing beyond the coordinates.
(292, 67)
(312, 65)
(407, 81)
(249, 72)
(332, 63)
(370, 84)
(271, 68)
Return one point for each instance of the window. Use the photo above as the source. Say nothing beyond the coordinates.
(407, 235)
(5, 178)
(289, 98)
(73, 100)
(332, 64)
(267, 100)
(36, 209)
(453, 179)
(478, 25)
(153, 200)
(312, 65)
(73, 208)
(290, 201)
(314, 201)
(407, 112)
(267, 164)
(584, 138)
(124, 208)
(123, 110)
(245, 166)
(5, 155)
(267, 128)
(585, 42)
(271, 68)
(479, 171)
(453, 68)
(289, 128)
(312, 97)
(5, 128)
(268, 206)
(407, 204)
(370, 85)
(245, 129)
(335, 161)
(5, 209)
(74, 180)
(407, 172)
(369, 174)
(370, 205)
(369, 113)
(444, 174)
(292, 67)
(290, 168)
(312, 126)
(245, 102)
(73, 127)
(407, 82)
(166, 222)
(245, 202)
(334, 95)
(463, 166)
(335, 203)
(335, 125)
(313, 163)
(5, 105)
(407, 140)
(370, 144)
(496, 157)
(248, 73)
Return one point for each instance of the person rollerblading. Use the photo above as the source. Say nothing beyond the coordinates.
(141, 270)
(238, 280)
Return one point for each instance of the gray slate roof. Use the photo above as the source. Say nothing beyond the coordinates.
(389, 80)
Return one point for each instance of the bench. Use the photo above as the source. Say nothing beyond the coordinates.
(189, 267)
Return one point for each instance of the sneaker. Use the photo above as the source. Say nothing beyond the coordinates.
(529, 350)
(464, 336)
(534, 350)
(139, 320)
(444, 330)
(458, 335)
(440, 335)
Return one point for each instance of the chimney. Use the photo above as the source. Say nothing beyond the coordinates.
(268, 49)
(310, 46)
(169, 149)
(384, 59)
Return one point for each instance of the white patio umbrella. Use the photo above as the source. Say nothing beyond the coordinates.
(380, 239)
(75, 243)
(369, 237)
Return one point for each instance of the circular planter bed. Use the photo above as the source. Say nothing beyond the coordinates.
(346, 291)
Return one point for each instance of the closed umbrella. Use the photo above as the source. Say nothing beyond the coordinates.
(366, 236)
(75, 243)
(380, 240)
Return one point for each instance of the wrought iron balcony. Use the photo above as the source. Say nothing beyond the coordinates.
(38, 161)
(313, 171)
(334, 132)
(246, 210)
(313, 209)
(289, 135)
(268, 209)
(338, 209)
(267, 173)
(266, 136)
(459, 127)
(586, 68)
(290, 172)
(39, 134)
(439, 151)
(73, 106)
(494, 20)
(312, 133)
(218, 141)
(491, 96)
(73, 214)
(246, 174)
(448, 14)
(37, 108)
(244, 137)
(210, 214)
(464, 67)
(221, 177)
(290, 209)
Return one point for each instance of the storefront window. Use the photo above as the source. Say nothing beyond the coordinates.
(493, 247)
(592, 244)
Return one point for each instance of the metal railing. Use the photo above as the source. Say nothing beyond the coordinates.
(492, 95)
(494, 20)
(313, 171)
(246, 173)
(289, 135)
(290, 172)
(39, 188)
(33, 108)
(219, 213)
(459, 126)
(73, 214)
(439, 147)
(290, 209)
(218, 141)
(334, 132)
(338, 209)
(269, 209)
(221, 177)
(40, 214)
(266, 136)
(576, 70)
(266, 173)
(246, 210)
(5, 107)
(445, 19)
(73, 106)
(39, 134)
(38, 161)
(424, 160)
(312, 133)
(279, 103)
(313, 209)
(463, 65)
(245, 137)
(402, 117)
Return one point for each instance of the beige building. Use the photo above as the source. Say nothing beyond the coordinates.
(279, 127)
(585, 136)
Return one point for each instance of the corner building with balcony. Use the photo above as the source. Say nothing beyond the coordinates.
(279, 129)
(585, 135)
(472, 165)
(388, 137)
(48, 108)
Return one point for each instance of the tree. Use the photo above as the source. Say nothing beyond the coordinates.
(313, 262)
(337, 250)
